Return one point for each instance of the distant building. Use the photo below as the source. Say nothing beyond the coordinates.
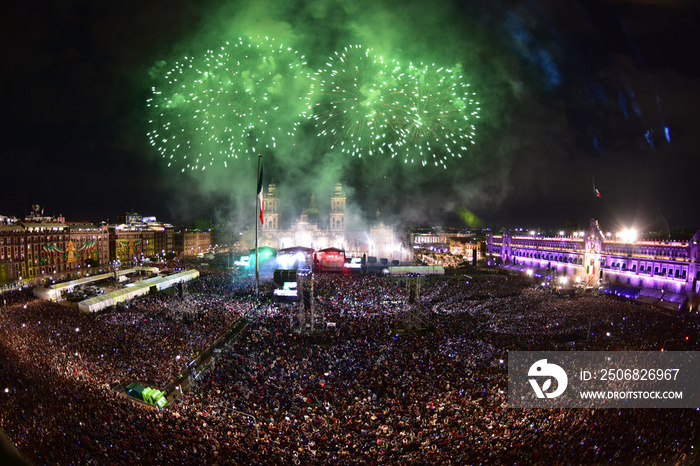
(435, 239)
(427, 239)
(190, 243)
(7, 220)
(305, 231)
(465, 247)
(130, 218)
(41, 247)
(308, 231)
(143, 238)
(669, 267)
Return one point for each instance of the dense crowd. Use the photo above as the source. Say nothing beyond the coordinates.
(363, 392)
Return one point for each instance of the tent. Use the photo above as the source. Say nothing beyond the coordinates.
(135, 390)
(150, 395)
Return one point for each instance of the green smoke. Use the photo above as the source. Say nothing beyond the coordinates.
(301, 161)
(469, 218)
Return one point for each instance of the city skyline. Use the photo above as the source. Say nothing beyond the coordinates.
(576, 100)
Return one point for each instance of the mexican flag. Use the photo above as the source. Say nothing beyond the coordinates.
(595, 190)
(260, 193)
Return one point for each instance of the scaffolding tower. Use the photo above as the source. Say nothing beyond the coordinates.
(304, 320)
(182, 305)
(415, 317)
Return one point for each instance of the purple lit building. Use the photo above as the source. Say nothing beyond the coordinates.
(663, 273)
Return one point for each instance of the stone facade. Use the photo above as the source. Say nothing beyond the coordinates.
(379, 240)
(668, 265)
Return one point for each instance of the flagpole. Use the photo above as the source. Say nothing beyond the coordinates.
(257, 261)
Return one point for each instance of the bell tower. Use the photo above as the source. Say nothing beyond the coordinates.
(593, 244)
(271, 207)
(337, 220)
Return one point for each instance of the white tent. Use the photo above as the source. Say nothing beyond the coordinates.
(55, 292)
(137, 289)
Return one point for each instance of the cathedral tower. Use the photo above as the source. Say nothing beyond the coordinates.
(337, 219)
(271, 207)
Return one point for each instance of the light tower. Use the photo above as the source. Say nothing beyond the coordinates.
(304, 321)
(414, 316)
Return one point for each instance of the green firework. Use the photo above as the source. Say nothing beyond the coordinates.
(231, 102)
(442, 112)
(357, 101)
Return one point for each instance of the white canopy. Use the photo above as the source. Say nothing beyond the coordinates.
(137, 289)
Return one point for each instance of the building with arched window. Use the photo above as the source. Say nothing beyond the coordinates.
(43, 247)
(309, 231)
(666, 269)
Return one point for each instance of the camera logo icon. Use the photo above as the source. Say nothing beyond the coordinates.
(551, 371)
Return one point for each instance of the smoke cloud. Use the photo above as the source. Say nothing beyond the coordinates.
(303, 165)
(515, 60)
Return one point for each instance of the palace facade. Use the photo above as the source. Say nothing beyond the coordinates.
(669, 267)
(41, 247)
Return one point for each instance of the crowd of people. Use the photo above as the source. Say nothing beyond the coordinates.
(365, 391)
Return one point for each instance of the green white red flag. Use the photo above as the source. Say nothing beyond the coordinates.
(260, 193)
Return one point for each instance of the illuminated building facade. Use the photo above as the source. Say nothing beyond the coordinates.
(190, 243)
(304, 232)
(456, 242)
(41, 247)
(125, 244)
(91, 243)
(668, 266)
(465, 248)
(380, 241)
(427, 239)
(141, 238)
(444, 247)
(44, 247)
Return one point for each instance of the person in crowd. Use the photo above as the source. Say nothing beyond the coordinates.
(365, 392)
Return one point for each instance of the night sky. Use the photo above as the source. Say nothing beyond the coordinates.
(572, 93)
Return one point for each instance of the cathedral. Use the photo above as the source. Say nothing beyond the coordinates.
(378, 241)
